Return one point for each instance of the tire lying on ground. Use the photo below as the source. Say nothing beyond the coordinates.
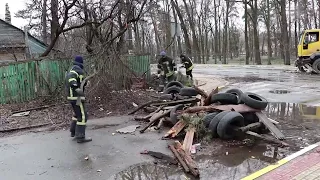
(224, 98)
(249, 118)
(172, 90)
(174, 83)
(227, 123)
(214, 123)
(254, 101)
(207, 118)
(174, 115)
(188, 91)
(236, 92)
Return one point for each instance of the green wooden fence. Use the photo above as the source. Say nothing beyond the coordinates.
(25, 81)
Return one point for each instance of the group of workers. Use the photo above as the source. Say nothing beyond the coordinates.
(167, 66)
(75, 77)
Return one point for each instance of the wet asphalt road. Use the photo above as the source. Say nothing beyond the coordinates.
(304, 88)
(52, 156)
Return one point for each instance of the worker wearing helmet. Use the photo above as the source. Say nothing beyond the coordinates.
(188, 64)
(167, 65)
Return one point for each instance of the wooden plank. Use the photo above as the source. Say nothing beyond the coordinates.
(155, 118)
(249, 127)
(241, 108)
(176, 154)
(188, 140)
(187, 159)
(174, 131)
(268, 139)
(274, 130)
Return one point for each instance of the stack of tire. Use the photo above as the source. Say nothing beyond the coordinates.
(176, 87)
(222, 124)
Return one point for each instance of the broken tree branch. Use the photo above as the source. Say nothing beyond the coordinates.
(144, 105)
(207, 101)
(153, 119)
(268, 139)
(201, 92)
(171, 103)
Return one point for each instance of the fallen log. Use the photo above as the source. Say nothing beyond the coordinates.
(172, 103)
(144, 105)
(249, 127)
(155, 118)
(159, 124)
(188, 140)
(174, 131)
(207, 101)
(24, 128)
(187, 159)
(238, 108)
(268, 139)
(180, 160)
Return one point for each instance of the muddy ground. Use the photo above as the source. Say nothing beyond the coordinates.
(59, 114)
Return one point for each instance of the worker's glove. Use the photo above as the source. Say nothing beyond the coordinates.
(79, 92)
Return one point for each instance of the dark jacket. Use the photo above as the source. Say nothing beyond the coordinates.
(187, 62)
(73, 81)
(167, 65)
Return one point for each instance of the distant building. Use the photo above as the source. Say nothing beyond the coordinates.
(17, 44)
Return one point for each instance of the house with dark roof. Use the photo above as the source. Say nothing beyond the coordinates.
(17, 44)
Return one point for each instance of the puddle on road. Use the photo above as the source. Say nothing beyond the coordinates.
(151, 171)
(234, 159)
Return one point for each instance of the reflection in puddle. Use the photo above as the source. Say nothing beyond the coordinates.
(150, 171)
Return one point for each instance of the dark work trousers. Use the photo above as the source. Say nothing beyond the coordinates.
(189, 73)
(78, 126)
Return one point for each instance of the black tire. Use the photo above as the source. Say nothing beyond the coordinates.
(207, 118)
(254, 101)
(227, 123)
(188, 91)
(224, 98)
(173, 115)
(214, 123)
(316, 66)
(250, 118)
(174, 83)
(236, 92)
(172, 90)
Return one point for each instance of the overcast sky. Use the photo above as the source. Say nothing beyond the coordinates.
(14, 6)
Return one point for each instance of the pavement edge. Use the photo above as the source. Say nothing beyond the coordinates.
(280, 162)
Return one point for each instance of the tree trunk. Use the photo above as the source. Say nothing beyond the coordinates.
(269, 33)
(284, 32)
(256, 33)
(55, 19)
(216, 40)
(194, 35)
(246, 39)
(156, 34)
(44, 22)
(183, 27)
(314, 15)
(225, 34)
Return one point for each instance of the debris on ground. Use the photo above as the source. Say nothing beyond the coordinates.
(191, 112)
(128, 129)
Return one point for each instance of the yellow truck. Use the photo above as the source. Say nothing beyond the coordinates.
(309, 51)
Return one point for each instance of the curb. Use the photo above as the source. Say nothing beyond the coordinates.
(280, 162)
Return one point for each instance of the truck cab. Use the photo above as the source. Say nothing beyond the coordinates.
(309, 51)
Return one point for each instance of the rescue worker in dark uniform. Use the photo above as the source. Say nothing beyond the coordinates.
(167, 66)
(73, 80)
(188, 64)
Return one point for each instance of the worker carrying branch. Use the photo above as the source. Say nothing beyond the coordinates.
(188, 64)
(167, 66)
(74, 79)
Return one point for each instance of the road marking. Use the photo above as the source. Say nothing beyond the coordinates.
(280, 163)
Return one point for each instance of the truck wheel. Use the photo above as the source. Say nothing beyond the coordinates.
(316, 66)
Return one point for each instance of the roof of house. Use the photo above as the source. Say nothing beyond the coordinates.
(39, 41)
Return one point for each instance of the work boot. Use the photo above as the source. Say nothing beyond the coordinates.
(84, 140)
(73, 128)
